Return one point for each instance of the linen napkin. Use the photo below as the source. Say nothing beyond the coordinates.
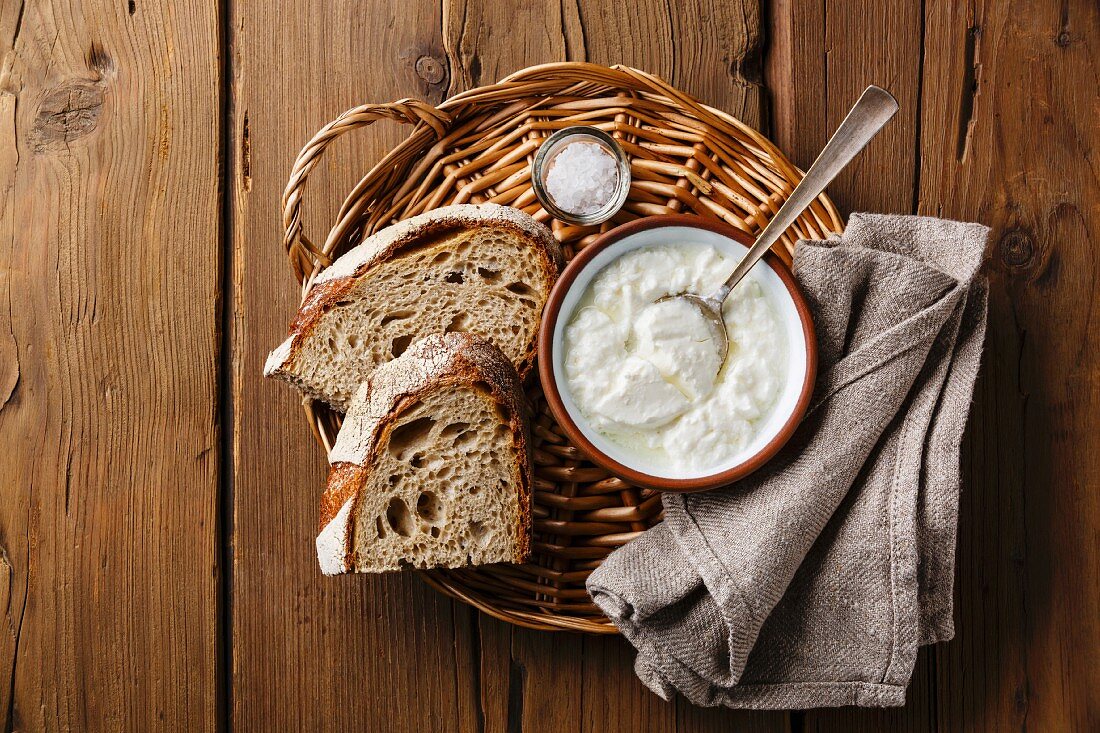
(812, 582)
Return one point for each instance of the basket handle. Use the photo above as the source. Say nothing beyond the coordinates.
(428, 121)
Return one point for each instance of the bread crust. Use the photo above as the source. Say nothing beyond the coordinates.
(435, 362)
(334, 283)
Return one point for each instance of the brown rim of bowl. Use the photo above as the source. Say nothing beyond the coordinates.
(553, 397)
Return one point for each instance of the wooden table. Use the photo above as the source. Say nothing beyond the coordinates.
(158, 497)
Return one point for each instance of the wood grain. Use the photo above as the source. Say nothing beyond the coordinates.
(115, 119)
(109, 219)
(823, 54)
(1009, 136)
(308, 652)
(710, 50)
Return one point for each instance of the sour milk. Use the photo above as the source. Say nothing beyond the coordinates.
(647, 376)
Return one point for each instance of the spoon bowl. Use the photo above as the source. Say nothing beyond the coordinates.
(711, 310)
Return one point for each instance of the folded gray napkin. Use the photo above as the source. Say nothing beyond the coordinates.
(812, 582)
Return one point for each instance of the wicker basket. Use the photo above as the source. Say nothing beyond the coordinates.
(477, 147)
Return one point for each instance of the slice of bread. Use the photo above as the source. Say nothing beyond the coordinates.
(483, 269)
(431, 467)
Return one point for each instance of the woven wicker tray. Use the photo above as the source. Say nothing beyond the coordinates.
(478, 147)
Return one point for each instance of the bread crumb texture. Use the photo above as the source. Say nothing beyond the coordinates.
(485, 270)
(431, 468)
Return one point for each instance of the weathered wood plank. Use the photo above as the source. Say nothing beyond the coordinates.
(712, 51)
(109, 218)
(1009, 136)
(308, 652)
(822, 55)
(794, 75)
(614, 698)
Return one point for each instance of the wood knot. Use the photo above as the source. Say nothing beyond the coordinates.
(1019, 701)
(1016, 249)
(430, 69)
(68, 112)
(100, 61)
(1063, 39)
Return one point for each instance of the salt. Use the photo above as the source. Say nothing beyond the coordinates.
(582, 178)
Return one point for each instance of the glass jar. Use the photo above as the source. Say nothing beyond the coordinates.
(544, 161)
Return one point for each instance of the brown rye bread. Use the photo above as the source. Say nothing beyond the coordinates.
(327, 360)
(435, 365)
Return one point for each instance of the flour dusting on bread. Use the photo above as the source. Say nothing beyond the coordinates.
(481, 269)
(431, 467)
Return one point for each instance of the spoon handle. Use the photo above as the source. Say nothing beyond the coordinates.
(870, 113)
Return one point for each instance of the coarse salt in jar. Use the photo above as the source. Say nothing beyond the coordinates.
(581, 175)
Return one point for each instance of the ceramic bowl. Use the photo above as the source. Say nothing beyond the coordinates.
(778, 285)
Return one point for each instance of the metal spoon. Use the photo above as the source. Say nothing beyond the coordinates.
(871, 112)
